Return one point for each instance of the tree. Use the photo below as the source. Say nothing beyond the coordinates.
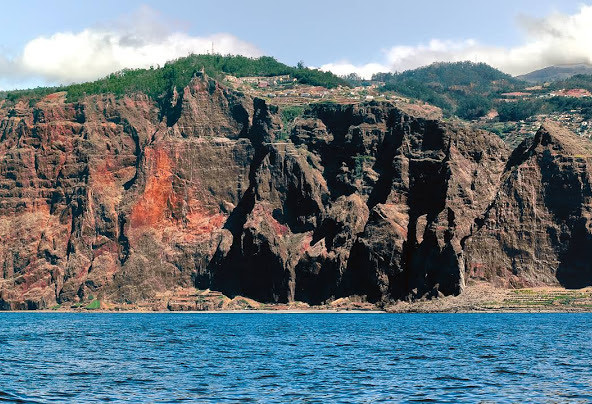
(518, 110)
(473, 107)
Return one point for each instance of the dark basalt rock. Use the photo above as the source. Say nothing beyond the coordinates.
(127, 200)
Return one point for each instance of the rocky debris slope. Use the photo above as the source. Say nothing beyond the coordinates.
(126, 199)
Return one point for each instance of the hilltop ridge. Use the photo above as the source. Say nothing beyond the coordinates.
(158, 81)
(555, 73)
(474, 92)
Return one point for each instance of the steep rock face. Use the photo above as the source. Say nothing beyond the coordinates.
(424, 183)
(107, 198)
(277, 216)
(364, 200)
(58, 170)
(205, 108)
(538, 229)
(127, 199)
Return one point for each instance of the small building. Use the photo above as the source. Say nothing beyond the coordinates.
(516, 94)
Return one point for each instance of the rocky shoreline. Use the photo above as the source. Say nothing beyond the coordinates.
(478, 298)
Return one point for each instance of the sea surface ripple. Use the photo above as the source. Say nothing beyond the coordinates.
(316, 357)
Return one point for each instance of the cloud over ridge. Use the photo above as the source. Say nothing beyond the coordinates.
(91, 54)
(67, 57)
(145, 39)
(555, 39)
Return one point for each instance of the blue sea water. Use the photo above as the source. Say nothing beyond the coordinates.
(259, 357)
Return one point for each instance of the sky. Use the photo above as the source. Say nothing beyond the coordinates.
(63, 41)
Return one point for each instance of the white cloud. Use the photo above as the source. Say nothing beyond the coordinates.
(366, 71)
(91, 54)
(555, 39)
(145, 38)
(67, 57)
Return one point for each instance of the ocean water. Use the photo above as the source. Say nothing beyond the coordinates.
(317, 357)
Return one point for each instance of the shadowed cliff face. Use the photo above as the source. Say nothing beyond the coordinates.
(422, 183)
(127, 200)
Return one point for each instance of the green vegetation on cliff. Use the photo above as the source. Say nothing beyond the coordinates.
(465, 89)
(157, 81)
(469, 90)
(583, 81)
(93, 305)
(288, 114)
(478, 77)
(523, 109)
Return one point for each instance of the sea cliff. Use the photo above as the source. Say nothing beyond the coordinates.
(124, 200)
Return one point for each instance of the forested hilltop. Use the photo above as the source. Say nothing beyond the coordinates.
(471, 90)
(157, 81)
(474, 92)
(465, 89)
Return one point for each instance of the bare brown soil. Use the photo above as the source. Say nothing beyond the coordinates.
(486, 298)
